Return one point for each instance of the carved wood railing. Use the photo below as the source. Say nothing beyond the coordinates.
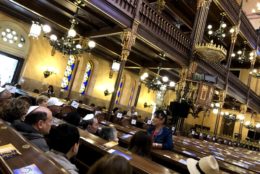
(155, 23)
(160, 26)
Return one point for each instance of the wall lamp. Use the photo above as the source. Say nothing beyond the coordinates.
(114, 68)
(107, 92)
(49, 71)
(146, 105)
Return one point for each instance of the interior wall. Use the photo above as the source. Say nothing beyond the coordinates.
(210, 122)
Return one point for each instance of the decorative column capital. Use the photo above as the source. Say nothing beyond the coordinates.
(128, 40)
(234, 32)
(203, 3)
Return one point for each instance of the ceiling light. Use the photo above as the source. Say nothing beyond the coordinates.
(53, 37)
(165, 79)
(91, 44)
(46, 28)
(172, 84)
(72, 33)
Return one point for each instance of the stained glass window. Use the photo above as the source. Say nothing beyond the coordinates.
(86, 78)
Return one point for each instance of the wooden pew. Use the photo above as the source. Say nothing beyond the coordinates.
(92, 148)
(29, 154)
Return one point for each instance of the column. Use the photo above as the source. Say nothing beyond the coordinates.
(128, 40)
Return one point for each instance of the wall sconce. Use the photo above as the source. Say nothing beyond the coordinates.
(107, 92)
(115, 68)
(49, 71)
(146, 105)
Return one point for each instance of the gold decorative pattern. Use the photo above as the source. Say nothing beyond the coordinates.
(211, 52)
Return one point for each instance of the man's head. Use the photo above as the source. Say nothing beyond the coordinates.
(42, 100)
(90, 123)
(65, 138)
(40, 118)
(54, 104)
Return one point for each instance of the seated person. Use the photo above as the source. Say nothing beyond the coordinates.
(49, 92)
(90, 123)
(160, 134)
(132, 112)
(64, 144)
(55, 105)
(15, 110)
(37, 123)
(141, 144)
(207, 165)
(42, 100)
(73, 118)
(109, 133)
(111, 164)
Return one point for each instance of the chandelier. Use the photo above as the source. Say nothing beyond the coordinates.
(210, 51)
(69, 44)
(219, 34)
(157, 83)
(243, 55)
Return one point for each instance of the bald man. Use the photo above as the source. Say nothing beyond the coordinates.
(37, 123)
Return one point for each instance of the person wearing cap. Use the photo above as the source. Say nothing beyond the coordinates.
(37, 123)
(90, 123)
(54, 104)
(132, 112)
(206, 165)
(161, 135)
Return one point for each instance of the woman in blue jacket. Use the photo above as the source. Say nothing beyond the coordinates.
(161, 135)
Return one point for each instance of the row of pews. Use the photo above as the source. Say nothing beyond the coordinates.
(92, 148)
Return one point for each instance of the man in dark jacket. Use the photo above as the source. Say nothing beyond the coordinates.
(37, 124)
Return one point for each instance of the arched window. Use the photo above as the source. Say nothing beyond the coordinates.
(86, 78)
(132, 94)
(68, 73)
(13, 39)
(119, 91)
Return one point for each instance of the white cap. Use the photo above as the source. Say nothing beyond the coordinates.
(53, 101)
(207, 164)
(32, 108)
(88, 117)
(1, 89)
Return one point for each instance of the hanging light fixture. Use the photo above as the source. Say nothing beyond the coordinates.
(158, 83)
(243, 55)
(35, 30)
(220, 33)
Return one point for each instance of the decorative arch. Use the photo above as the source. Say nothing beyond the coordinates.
(86, 78)
(14, 39)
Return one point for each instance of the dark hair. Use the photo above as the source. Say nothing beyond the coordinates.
(111, 164)
(73, 118)
(84, 124)
(161, 113)
(35, 117)
(141, 144)
(108, 133)
(36, 91)
(15, 110)
(26, 99)
(50, 88)
(63, 137)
